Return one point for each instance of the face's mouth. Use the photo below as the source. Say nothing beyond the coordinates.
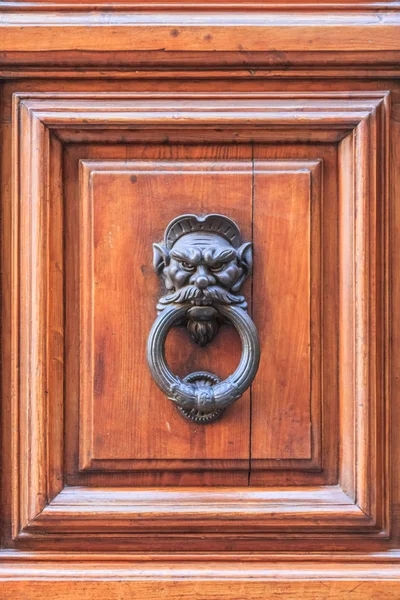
(202, 299)
(202, 313)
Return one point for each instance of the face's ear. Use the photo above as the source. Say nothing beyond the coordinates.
(160, 258)
(245, 261)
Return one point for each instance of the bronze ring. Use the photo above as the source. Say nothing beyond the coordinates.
(198, 398)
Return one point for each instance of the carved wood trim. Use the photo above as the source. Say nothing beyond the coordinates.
(359, 121)
(283, 31)
(209, 576)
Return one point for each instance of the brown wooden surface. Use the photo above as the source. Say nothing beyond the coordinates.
(130, 204)
(203, 357)
(305, 504)
(281, 399)
(205, 579)
(285, 409)
(40, 515)
(190, 577)
(281, 31)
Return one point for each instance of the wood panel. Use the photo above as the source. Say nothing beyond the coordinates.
(102, 515)
(127, 206)
(281, 471)
(134, 471)
(216, 356)
(281, 398)
(324, 397)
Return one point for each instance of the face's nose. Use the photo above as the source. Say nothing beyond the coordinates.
(202, 282)
(201, 278)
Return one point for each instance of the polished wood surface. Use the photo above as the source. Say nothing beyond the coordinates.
(282, 224)
(130, 207)
(326, 118)
(284, 117)
(210, 579)
(281, 31)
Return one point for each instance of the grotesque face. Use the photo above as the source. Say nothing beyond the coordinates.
(203, 269)
(201, 264)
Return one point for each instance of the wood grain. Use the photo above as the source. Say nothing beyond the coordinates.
(87, 511)
(326, 68)
(210, 580)
(130, 204)
(281, 471)
(96, 519)
(189, 577)
(266, 31)
(366, 335)
(209, 590)
(322, 467)
(133, 470)
(281, 399)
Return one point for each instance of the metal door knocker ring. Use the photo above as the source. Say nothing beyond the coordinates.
(203, 263)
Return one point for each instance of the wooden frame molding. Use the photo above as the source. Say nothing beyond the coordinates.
(207, 577)
(112, 31)
(358, 507)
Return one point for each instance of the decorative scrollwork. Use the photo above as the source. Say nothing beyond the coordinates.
(203, 263)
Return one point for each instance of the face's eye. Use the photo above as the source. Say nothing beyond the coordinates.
(217, 266)
(187, 266)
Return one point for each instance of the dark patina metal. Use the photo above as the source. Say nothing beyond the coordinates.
(203, 262)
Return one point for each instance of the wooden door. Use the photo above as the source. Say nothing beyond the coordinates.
(116, 120)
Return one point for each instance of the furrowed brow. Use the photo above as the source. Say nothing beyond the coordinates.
(215, 255)
(192, 255)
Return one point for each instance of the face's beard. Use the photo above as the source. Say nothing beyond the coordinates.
(202, 331)
(203, 297)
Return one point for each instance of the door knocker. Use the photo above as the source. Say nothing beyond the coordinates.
(203, 263)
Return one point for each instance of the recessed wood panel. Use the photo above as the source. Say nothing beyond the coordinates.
(281, 395)
(185, 356)
(125, 207)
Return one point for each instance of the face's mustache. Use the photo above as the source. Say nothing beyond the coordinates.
(185, 294)
(218, 294)
(206, 296)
